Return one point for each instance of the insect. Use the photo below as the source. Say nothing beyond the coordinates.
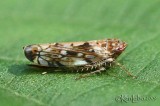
(90, 56)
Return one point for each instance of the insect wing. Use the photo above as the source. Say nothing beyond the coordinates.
(68, 54)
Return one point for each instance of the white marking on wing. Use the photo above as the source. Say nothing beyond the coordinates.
(63, 52)
(97, 48)
(79, 62)
(43, 62)
(80, 54)
(67, 45)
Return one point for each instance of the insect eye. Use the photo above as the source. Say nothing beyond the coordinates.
(34, 49)
(30, 52)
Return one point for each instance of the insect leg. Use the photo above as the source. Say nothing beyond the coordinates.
(91, 73)
(124, 69)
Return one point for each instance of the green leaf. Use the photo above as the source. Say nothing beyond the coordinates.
(25, 22)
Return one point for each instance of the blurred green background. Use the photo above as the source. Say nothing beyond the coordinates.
(24, 22)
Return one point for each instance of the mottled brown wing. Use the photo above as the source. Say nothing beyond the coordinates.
(70, 54)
